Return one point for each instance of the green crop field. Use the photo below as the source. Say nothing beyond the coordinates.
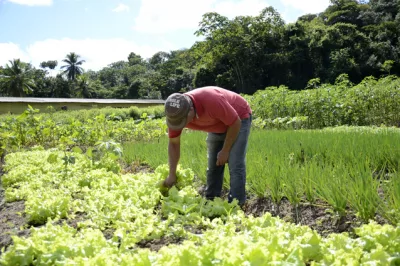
(83, 188)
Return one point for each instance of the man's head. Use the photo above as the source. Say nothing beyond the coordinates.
(177, 107)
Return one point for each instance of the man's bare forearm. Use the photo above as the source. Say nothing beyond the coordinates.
(173, 156)
(231, 135)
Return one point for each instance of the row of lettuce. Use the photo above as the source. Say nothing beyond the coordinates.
(136, 210)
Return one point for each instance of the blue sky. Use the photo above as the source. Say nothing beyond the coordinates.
(106, 31)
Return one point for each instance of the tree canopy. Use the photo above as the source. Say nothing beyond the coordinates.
(245, 54)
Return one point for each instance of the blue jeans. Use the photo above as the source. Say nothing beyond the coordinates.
(236, 164)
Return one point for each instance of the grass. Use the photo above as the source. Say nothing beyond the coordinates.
(155, 153)
(344, 168)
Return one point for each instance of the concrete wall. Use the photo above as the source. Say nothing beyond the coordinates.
(20, 107)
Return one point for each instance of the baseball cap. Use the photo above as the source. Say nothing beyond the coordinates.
(177, 107)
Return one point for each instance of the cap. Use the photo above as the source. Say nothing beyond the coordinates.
(177, 107)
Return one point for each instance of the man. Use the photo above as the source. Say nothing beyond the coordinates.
(226, 116)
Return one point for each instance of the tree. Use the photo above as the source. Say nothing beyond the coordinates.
(387, 9)
(16, 79)
(387, 66)
(43, 83)
(158, 59)
(345, 11)
(300, 66)
(342, 62)
(246, 52)
(204, 77)
(52, 64)
(134, 59)
(62, 88)
(83, 85)
(73, 66)
(210, 23)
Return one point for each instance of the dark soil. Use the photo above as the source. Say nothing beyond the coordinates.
(12, 220)
(12, 217)
(157, 244)
(73, 222)
(318, 216)
(108, 233)
(137, 167)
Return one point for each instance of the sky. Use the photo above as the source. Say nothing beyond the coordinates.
(107, 31)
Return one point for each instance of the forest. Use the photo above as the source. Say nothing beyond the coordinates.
(244, 54)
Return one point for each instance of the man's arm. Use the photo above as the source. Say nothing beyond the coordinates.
(231, 135)
(174, 151)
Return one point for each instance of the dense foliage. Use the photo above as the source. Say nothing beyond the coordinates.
(201, 232)
(82, 209)
(371, 102)
(243, 54)
(82, 128)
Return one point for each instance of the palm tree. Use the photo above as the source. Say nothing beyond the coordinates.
(72, 67)
(15, 79)
(83, 87)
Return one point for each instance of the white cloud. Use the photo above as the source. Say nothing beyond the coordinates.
(32, 2)
(121, 8)
(160, 16)
(307, 6)
(10, 51)
(97, 53)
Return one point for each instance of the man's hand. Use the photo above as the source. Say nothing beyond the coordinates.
(170, 180)
(222, 157)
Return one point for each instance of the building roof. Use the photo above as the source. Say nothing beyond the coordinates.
(76, 100)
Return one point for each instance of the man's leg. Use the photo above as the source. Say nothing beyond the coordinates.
(215, 174)
(237, 164)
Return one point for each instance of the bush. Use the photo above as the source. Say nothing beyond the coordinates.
(369, 103)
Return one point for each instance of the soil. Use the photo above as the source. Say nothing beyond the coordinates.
(12, 217)
(12, 220)
(73, 222)
(157, 244)
(108, 233)
(317, 216)
(137, 167)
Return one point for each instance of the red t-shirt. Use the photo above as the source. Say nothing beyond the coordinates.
(216, 110)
